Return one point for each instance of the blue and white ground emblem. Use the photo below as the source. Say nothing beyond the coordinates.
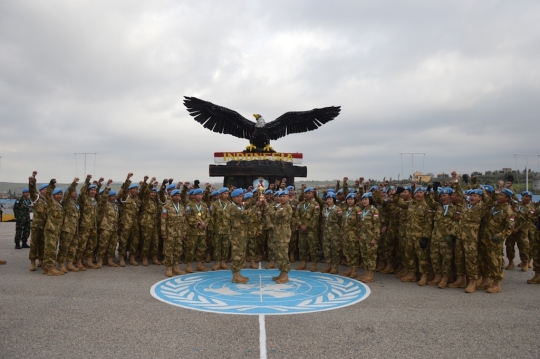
(306, 292)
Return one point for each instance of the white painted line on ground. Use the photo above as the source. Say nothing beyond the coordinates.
(260, 285)
(262, 336)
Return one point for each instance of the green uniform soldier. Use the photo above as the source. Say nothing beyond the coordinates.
(281, 219)
(405, 195)
(390, 230)
(198, 217)
(238, 217)
(308, 225)
(535, 250)
(21, 210)
(523, 233)
(370, 227)
(108, 235)
(149, 221)
(53, 227)
(173, 229)
(129, 222)
(293, 243)
(254, 229)
(351, 239)
(332, 219)
(70, 229)
(39, 204)
(88, 224)
(222, 229)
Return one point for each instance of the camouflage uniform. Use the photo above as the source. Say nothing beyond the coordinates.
(332, 218)
(70, 227)
(293, 243)
(524, 222)
(129, 222)
(254, 230)
(499, 226)
(88, 224)
(222, 229)
(195, 246)
(173, 225)
(21, 211)
(281, 234)
(53, 226)
(466, 257)
(535, 247)
(351, 235)
(308, 214)
(149, 222)
(445, 228)
(238, 217)
(370, 229)
(391, 239)
(37, 242)
(108, 235)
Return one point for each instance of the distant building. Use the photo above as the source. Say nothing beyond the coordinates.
(536, 184)
(505, 169)
(421, 177)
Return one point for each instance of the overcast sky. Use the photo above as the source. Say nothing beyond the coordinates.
(457, 80)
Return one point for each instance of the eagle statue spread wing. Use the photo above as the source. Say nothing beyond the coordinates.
(222, 120)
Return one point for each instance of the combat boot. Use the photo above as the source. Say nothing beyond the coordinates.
(291, 257)
(244, 266)
(368, 277)
(443, 283)
(362, 265)
(409, 277)
(99, 263)
(402, 272)
(423, 280)
(334, 269)
(40, 263)
(2, 262)
(208, 258)
(18, 245)
(478, 281)
(111, 263)
(313, 267)
(510, 265)
(52, 271)
(495, 287)
(121, 261)
(380, 266)
(188, 268)
(471, 287)
(354, 273)
(32, 265)
(530, 261)
(176, 270)
(347, 273)
(524, 266)
(486, 283)
(145, 261)
(302, 266)
(216, 265)
(284, 278)
(89, 263)
(388, 269)
(62, 268)
(459, 283)
(258, 258)
(237, 278)
(168, 273)
(327, 269)
(200, 267)
(253, 265)
(80, 266)
(132, 260)
(71, 268)
(155, 260)
(44, 270)
(535, 279)
(25, 245)
(270, 265)
(278, 276)
(224, 265)
(436, 280)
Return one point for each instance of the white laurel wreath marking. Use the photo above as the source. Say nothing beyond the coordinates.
(342, 292)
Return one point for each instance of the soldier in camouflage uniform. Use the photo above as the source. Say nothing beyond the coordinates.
(70, 229)
(293, 243)
(173, 229)
(53, 226)
(198, 216)
(332, 217)
(129, 222)
(238, 216)
(351, 226)
(402, 213)
(149, 221)
(523, 232)
(108, 234)
(308, 225)
(254, 229)
(21, 211)
(281, 217)
(390, 230)
(88, 224)
(39, 204)
(370, 229)
(535, 250)
(222, 229)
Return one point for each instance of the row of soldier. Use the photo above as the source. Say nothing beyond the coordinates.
(437, 230)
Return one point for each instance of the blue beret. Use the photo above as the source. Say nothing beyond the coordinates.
(367, 195)
(390, 188)
(25, 190)
(101, 190)
(283, 193)
(56, 191)
(289, 188)
(445, 190)
(237, 192)
(507, 192)
(268, 191)
(133, 185)
(351, 195)
(42, 186)
(223, 190)
(407, 188)
(331, 190)
(340, 191)
(175, 191)
(488, 188)
(92, 186)
(214, 193)
(171, 186)
(198, 191)
(309, 189)
(477, 191)
(277, 193)
(527, 193)
(248, 195)
(420, 189)
(190, 192)
(331, 195)
(154, 189)
(373, 188)
(353, 191)
(112, 193)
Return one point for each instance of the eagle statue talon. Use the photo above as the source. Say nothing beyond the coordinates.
(251, 147)
(268, 148)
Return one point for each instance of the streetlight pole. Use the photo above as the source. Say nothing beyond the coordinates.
(412, 160)
(526, 167)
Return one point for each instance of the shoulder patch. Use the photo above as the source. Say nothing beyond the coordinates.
(164, 210)
(512, 219)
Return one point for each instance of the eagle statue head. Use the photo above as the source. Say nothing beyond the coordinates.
(260, 120)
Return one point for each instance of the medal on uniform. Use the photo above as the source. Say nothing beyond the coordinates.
(199, 214)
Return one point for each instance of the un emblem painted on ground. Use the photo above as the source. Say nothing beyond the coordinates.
(306, 292)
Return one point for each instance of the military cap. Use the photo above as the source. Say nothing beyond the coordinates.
(407, 188)
(420, 189)
(289, 188)
(488, 188)
(133, 185)
(223, 190)
(175, 191)
(237, 192)
(101, 190)
(190, 192)
(373, 188)
(154, 189)
(330, 195)
(367, 195)
(309, 189)
(389, 188)
(171, 186)
(331, 190)
(283, 193)
(527, 193)
(214, 193)
(445, 190)
(351, 195)
(197, 191)
(248, 195)
(25, 190)
(56, 191)
(112, 193)
(92, 186)
(477, 191)
(43, 186)
(340, 191)
(507, 192)
(268, 191)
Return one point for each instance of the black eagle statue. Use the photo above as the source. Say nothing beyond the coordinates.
(222, 120)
